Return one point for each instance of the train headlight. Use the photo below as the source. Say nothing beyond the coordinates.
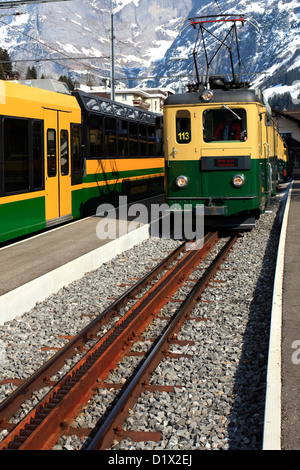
(207, 96)
(238, 181)
(181, 181)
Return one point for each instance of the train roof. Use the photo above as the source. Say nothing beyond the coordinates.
(35, 98)
(97, 105)
(219, 96)
(47, 84)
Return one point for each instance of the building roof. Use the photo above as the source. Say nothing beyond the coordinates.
(294, 115)
(146, 93)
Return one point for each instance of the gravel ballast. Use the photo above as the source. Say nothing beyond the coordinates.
(219, 394)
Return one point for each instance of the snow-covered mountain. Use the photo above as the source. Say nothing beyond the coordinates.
(143, 31)
(269, 43)
(148, 34)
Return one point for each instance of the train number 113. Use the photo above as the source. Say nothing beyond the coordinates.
(183, 137)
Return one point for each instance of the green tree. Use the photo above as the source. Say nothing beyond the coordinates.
(2, 74)
(31, 73)
(5, 60)
(68, 81)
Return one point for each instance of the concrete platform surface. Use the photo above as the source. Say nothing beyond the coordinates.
(290, 372)
(36, 267)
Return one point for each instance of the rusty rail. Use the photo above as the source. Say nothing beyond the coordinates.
(43, 426)
(111, 428)
(41, 377)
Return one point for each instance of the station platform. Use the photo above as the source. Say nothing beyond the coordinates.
(38, 266)
(282, 415)
(291, 327)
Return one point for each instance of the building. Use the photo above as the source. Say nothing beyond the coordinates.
(11, 75)
(150, 99)
(289, 127)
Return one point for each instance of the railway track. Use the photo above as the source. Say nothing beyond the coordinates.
(53, 415)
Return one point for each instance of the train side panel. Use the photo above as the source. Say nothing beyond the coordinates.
(107, 179)
(60, 159)
(33, 178)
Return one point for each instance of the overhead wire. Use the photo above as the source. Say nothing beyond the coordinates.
(219, 7)
(91, 67)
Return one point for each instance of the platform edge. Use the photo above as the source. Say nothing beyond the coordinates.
(272, 419)
(22, 299)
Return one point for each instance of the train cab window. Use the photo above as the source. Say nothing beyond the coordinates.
(224, 125)
(51, 152)
(16, 155)
(64, 152)
(183, 127)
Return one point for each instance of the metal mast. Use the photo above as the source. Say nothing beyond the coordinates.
(112, 53)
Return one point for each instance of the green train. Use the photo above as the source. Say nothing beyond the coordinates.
(222, 150)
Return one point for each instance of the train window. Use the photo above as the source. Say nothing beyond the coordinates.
(95, 141)
(143, 141)
(93, 104)
(95, 137)
(64, 152)
(110, 137)
(37, 155)
(76, 155)
(122, 138)
(158, 137)
(106, 107)
(76, 150)
(51, 152)
(224, 125)
(151, 141)
(16, 155)
(183, 127)
(133, 139)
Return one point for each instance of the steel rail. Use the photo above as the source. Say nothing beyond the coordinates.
(42, 376)
(42, 427)
(110, 429)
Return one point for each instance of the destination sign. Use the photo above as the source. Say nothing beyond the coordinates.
(225, 162)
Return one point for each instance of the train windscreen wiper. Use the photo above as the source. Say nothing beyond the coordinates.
(228, 109)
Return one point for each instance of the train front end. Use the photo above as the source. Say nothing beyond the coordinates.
(215, 156)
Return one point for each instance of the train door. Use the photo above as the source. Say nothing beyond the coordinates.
(58, 175)
(180, 150)
(266, 168)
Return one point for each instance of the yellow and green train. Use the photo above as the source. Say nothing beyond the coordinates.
(61, 155)
(222, 150)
